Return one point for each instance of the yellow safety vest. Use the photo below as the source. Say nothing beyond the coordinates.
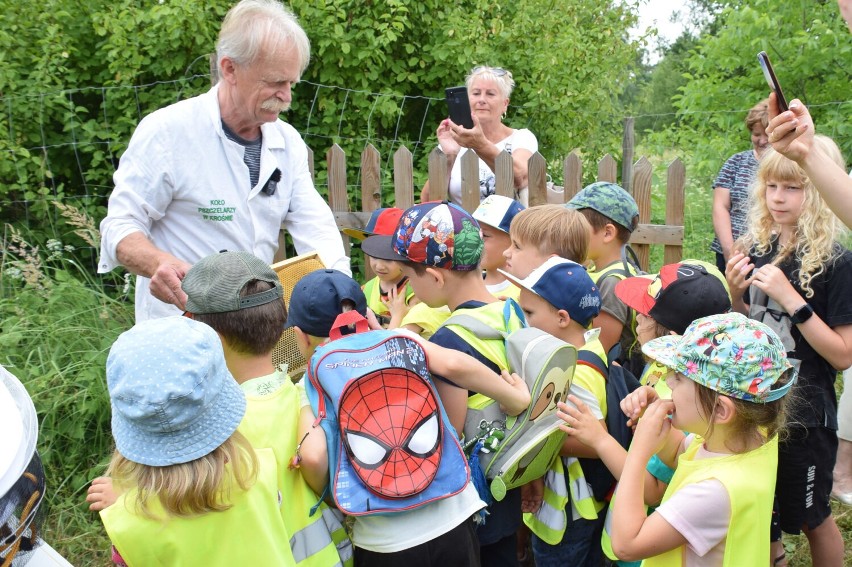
(550, 521)
(425, 317)
(272, 421)
(250, 532)
(494, 350)
(749, 479)
(373, 293)
(653, 376)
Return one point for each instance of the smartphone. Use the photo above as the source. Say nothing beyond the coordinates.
(772, 80)
(459, 106)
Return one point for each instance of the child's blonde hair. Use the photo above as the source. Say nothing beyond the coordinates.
(814, 240)
(553, 229)
(192, 488)
(765, 420)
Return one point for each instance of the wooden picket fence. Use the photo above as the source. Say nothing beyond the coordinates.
(637, 180)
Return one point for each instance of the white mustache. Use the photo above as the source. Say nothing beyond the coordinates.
(275, 105)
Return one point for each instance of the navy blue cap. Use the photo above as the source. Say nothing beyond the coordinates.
(318, 298)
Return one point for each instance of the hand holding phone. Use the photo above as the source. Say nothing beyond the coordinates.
(772, 80)
(459, 106)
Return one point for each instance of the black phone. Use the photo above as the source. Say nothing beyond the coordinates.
(459, 106)
(772, 80)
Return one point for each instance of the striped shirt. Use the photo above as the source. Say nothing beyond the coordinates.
(737, 176)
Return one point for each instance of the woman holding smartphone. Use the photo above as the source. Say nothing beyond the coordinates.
(488, 89)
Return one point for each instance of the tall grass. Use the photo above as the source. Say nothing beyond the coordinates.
(57, 323)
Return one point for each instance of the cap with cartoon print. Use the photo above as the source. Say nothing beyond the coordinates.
(730, 354)
(438, 234)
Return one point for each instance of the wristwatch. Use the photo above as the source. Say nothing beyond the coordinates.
(802, 314)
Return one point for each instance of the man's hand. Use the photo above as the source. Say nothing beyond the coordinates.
(165, 283)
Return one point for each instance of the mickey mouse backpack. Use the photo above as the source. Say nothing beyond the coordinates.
(390, 445)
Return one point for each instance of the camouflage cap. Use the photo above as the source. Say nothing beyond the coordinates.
(608, 199)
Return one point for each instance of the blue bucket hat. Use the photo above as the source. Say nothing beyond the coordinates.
(608, 199)
(173, 398)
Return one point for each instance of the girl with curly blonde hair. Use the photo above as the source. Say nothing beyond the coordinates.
(796, 279)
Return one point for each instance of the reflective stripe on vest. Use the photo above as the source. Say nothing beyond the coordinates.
(312, 539)
(581, 495)
(549, 522)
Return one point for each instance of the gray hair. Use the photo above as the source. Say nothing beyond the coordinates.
(502, 77)
(255, 27)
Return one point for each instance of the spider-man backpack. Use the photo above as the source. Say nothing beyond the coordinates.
(390, 445)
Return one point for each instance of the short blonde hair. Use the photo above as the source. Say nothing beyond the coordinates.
(192, 488)
(502, 77)
(553, 229)
(253, 28)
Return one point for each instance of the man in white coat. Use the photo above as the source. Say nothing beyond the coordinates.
(220, 171)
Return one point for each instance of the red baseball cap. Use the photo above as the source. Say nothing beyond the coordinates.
(678, 295)
(382, 221)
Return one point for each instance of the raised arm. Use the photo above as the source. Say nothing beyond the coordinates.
(791, 133)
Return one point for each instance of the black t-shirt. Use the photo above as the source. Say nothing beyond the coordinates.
(815, 401)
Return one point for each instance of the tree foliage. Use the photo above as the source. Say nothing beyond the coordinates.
(77, 76)
(811, 51)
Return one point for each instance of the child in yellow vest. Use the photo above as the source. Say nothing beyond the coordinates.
(560, 298)
(241, 298)
(441, 245)
(613, 216)
(388, 294)
(495, 215)
(186, 475)
(665, 303)
(730, 376)
(439, 533)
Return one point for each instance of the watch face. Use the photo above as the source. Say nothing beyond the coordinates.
(802, 314)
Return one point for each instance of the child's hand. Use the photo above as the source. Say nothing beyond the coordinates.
(372, 321)
(652, 431)
(101, 494)
(521, 391)
(580, 422)
(396, 304)
(737, 271)
(633, 405)
(774, 283)
(532, 495)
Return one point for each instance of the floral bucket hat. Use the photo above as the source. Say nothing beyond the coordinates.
(731, 354)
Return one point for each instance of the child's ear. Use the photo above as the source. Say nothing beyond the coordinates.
(725, 410)
(564, 318)
(437, 275)
(303, 342)
(610, 232)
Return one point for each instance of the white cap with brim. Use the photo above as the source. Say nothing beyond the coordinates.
(19, 427)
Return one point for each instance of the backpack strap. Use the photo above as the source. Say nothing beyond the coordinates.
(344, 320)
(591, 359)
(475, 326)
